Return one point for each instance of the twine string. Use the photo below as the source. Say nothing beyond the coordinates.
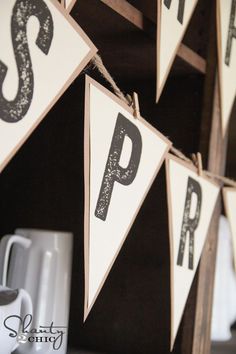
(227, 181)
(179, 154)
(98, 63)
(196, 158)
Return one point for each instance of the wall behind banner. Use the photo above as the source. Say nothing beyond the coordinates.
(42, 187)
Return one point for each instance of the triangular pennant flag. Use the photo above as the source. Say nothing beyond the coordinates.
(123, 155)
(173, 17)
(191, 202)
(44, 51)
(226, 30)
(229, 195)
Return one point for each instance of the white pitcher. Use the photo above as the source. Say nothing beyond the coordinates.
(15, 307)
(39, 261)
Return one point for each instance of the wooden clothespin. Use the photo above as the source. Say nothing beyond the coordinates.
(199, 164)
(197, 161)
(63, 2)
(136, 105)
(194, 159)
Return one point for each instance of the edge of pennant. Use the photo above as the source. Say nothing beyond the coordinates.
(224, 127)
(226, 205)
(73, 76)
(90, 81)
(220, 74)
(160, 86)
(169, 201)
(70, 7)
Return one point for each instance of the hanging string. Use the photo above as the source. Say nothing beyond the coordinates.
(179, 154)
(227, 181)
(196, 159)
(98, 63)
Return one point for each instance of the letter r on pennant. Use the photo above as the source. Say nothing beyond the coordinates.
(189, 225)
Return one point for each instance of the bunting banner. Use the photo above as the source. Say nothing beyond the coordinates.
(173, 17)
(229, 195)
(44, 51)
(123, 155)
(226, 34)
(191, 203)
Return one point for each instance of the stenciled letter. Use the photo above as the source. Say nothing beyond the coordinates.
(113, 171)
(180, 16)
(231, 33)
(15, 110)
(189, 224)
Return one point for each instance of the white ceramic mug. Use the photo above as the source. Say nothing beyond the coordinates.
(39, 261)
(15, 306)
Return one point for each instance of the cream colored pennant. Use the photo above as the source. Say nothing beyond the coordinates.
(173, 17)
(123, 155)
(226, 29)
(229, 195)
(191, 202)
(44, 51)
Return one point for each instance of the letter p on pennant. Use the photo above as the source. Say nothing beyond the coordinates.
(123, 155)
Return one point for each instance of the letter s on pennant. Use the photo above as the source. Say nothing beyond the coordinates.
(13, 111)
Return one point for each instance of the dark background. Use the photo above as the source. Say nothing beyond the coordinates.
(42, 186)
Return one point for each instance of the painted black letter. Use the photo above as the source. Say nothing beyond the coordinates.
(189, 225)
(15, 110)
(180, 16)
(113, 171)
(231, 33)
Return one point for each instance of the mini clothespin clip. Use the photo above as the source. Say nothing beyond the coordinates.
(197, 160)
(194, 159)
(136, 105)
(199, 164)
(129, 100)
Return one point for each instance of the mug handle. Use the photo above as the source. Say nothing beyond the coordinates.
(26, 304)
(5, 248)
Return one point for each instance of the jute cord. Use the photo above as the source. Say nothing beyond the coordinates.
(196, 158)
(98, 63)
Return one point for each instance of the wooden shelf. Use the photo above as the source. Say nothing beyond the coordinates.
(137, 18)
(126, 40)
